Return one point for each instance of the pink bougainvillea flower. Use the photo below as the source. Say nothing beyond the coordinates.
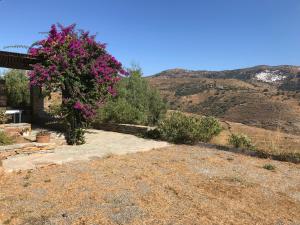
(75, 63)
(78, 105)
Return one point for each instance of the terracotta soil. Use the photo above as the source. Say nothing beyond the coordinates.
(173, 185)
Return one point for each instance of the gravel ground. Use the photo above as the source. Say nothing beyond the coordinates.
(172, 185)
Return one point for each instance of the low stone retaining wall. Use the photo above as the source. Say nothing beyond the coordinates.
(16, 128)
(26, 148)
(122, 128)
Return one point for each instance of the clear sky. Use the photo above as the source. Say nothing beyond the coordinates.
(164, 34)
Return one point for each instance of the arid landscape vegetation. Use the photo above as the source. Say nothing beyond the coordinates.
(261, 102)
(152, 113)
(262, 96)
(247, 171)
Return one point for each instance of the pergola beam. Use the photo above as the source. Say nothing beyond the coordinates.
(16, 60)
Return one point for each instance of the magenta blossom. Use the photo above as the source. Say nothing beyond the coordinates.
(80, 67)
(78, 105)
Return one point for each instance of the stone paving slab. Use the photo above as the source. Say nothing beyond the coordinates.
(99, 144)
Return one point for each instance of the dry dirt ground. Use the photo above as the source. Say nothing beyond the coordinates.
(172, 185)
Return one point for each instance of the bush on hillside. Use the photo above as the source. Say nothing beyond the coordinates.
(240, 141)
(180, 128)
(136, 102)
(17, 88)
(269, 167)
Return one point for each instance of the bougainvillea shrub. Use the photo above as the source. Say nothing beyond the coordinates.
(73, 62)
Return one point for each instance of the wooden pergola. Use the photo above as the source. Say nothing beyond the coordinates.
(21, 61)
(13, 60)
(16, 60)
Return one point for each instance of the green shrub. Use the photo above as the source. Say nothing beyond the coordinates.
(121, 111)
(240, 141)
(136, 102)
(269, 167)
(17, 88)
(179, 128)
(3, 117)
(4, 139)
(210, 127)
(152, 134)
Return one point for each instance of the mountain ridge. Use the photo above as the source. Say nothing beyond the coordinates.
(290, 70)
(262, 96)
(262, 66)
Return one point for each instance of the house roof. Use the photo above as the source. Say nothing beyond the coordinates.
(16, 60)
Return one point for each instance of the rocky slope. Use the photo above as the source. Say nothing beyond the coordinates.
(262, 96)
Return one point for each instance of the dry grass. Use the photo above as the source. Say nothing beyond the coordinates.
(176, 185)
(266, 141)
(285, 146)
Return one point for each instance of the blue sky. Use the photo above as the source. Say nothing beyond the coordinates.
(164, 34)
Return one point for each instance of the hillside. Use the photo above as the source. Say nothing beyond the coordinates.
(261, 96)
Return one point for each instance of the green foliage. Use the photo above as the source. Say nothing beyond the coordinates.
(55, 110)
(240, 141)
(120, 111)
(68, 120)
(75, 136)
(4, 139)
(180, 128)
(17, 88)
(3, 116)
(136, 102)
(269, 167)
(152, 134)
(210, 127)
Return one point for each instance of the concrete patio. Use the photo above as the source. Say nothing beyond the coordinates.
(98, 144)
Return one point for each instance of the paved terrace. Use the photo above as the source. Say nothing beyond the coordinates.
(99, 144)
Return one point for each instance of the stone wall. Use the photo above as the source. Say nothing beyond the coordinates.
(15, 129)
(3, 98)
(40, 105)
(122, 128)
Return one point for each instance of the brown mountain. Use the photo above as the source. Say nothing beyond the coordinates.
(262, 96)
